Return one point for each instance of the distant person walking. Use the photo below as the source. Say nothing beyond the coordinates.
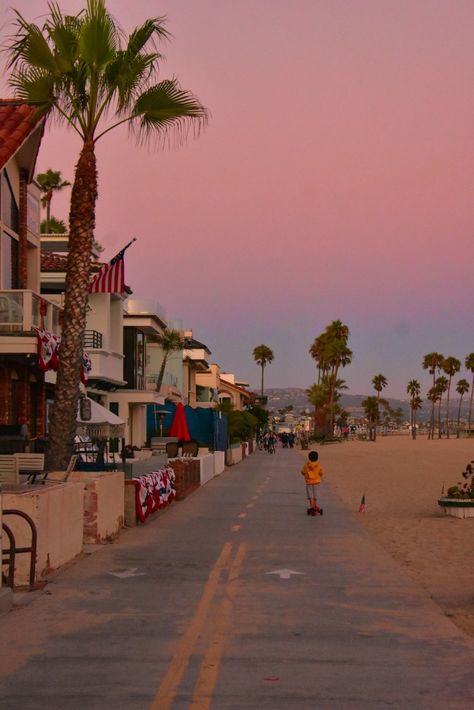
(312, 472)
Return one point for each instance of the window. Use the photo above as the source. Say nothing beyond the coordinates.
(33, 214)
(10, 211)
(9, 262)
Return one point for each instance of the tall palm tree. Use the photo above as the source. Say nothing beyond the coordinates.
(337, 355)
(433, 363)
(84, 71)
(413, 390)
(450, 366)
(262, 355)
(379, 382)
(434, 396)
(441, 385)
(50, 182)
(171, 341)
(372, 413)
(469, 364)
(462, 387)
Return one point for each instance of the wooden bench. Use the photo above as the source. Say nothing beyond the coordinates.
(30, 464)
(9, 470)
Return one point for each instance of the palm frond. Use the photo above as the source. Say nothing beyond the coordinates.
(140, 36)
(99, 36)
(166, 106)
(34, 86)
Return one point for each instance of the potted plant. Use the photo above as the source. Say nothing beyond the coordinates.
(459, 500)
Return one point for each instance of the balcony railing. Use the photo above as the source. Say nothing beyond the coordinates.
(168, 379)
(92, 340)
(21, 311)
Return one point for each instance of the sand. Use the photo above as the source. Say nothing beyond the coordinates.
(402, 481)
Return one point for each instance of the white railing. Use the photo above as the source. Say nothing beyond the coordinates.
(21, 311)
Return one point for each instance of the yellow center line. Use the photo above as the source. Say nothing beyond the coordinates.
(166, 692)
(209, 670)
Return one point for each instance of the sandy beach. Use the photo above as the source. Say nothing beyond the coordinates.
(402, 480)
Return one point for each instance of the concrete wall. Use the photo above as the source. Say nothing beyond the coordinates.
(206, 468)
(235, 454)
(58, 513)
(219, 462)
(104, 505)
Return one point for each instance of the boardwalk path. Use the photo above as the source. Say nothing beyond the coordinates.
(211, 613)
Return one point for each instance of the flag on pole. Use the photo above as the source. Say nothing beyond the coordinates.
(111, 277)
(362, 505)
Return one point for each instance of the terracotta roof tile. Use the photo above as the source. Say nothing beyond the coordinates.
(53, 262)
(17, 121)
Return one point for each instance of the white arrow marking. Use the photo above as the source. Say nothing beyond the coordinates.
(128, 573)
(284, 573)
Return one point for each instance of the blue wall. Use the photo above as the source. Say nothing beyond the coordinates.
(205, 425)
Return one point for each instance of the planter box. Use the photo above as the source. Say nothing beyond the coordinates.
(457, 507)
(219, 462)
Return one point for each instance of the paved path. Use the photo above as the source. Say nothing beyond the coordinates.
(207, 614)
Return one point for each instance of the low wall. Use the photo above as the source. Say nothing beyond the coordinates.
(104, 504)
(219, 462)
(134, 468)
(206, 468)
(58, 513)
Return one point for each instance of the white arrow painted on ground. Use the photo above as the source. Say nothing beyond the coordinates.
(284, 573)
(128, 573)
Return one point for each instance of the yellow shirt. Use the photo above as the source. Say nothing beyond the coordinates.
(312, 472)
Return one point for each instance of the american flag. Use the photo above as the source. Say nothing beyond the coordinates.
(362, 505)
(111, 277)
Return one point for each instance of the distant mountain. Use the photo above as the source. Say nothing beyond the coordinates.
(278, 398)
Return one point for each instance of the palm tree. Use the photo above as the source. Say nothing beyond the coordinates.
(441, 385)
(462, 387)
(469, 363)
(171, 341)
(432, 362)
(50, 182)
(85, 72)
(371, 408)
(262, 355)
(379, 382)
(434, 396)
(54, 226)
(451, 365)
(337, 354)
(413, 390)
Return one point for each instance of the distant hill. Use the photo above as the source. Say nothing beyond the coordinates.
(278, 398)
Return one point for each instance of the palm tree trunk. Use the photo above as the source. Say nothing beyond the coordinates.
(459, 417)
(263, 368)
(439, 419)
(470, 405)
(63, 423)
(447, 408)
(161, 373)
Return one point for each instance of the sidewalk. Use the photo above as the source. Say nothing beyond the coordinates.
(305, 613)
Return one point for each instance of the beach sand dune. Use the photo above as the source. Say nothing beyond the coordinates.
(402, 481)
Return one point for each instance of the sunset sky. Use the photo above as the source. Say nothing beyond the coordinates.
(334, 180)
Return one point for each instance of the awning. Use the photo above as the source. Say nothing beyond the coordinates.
(102, 424)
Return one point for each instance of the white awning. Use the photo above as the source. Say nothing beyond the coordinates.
(102, 424)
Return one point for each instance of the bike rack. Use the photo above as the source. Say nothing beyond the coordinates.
(9, 555)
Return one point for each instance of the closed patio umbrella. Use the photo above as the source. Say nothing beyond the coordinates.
(179, 425)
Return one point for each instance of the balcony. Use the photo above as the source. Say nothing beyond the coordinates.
(92, 340)
(168, 379)
(21, 311)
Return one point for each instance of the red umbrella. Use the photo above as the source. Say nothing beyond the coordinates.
(179, 425)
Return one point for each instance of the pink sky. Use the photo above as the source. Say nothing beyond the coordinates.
(334, 180)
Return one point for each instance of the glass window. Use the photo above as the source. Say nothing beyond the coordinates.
(9, 262)
(33, 214)
(10, 211)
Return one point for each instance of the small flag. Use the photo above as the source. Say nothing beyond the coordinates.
(362, 505)
(111, 277)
